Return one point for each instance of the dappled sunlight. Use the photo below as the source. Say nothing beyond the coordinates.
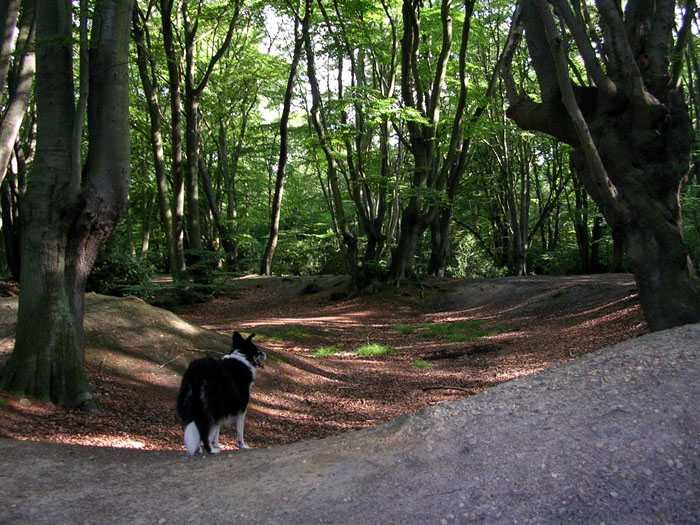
(136, 355)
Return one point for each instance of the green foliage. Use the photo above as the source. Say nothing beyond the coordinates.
(420, 363)
(301, 253)
(469, 260)
(283, 333)
(405, 329)
(326, 351)
(239, 110)
(116, 272)
(691, 222)
(374, 350)
(457, 332)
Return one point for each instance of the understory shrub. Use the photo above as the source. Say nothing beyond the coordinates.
(116, 271)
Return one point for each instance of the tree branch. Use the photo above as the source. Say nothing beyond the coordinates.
(607, 190)
(220, 53)
(583, 43)
(682, 44)
(631, 77)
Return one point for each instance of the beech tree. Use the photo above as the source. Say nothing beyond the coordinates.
(301, 29)
(628, 123)
(70, 208)
(434, 169)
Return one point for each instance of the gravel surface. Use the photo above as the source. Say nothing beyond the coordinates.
(612, 437)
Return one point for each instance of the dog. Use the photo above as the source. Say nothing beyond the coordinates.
(214, 391)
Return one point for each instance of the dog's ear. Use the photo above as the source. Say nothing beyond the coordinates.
(238, 341)
(250, 337)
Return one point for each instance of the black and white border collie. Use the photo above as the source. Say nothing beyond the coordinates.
(214, 391)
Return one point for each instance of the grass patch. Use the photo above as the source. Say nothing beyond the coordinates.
(283, 333)
(326, 351)
(373, 350)
(457, 332)
(419, 363)
(556, 296)
(405, 329)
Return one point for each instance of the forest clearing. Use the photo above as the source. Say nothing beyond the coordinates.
(315, 384)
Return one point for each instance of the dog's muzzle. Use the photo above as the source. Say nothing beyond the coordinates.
(259, 359)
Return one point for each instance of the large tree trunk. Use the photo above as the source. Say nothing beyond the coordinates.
(630, 131)
(68, 216)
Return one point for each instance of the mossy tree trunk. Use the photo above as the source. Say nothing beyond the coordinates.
(69, 211)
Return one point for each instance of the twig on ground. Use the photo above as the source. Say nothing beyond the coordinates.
(168, 362)
(449, 387)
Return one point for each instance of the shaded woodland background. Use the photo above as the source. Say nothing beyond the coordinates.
(221, 92)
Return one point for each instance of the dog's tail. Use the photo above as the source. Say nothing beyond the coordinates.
(184, 400)
(192, 439)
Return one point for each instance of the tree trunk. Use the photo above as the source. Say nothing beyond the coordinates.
(150, 87)
(20, 85)
(150, 198)
(9, 10)
(67, 218)
(193, 93)
(224, 232)
(349, 239)
(166, 10)
(301, 28)
(9, 198)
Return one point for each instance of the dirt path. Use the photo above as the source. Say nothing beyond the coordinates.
(611, 437)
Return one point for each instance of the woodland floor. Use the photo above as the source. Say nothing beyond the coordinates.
(136, 353)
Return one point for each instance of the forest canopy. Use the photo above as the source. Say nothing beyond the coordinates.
(376, 139)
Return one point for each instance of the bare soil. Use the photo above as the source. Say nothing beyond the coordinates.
(136, 353)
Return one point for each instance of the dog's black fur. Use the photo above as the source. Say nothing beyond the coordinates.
(214, 391)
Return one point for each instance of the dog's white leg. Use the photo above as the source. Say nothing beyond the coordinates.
(214, 439)
(240, 423)
(192, 439)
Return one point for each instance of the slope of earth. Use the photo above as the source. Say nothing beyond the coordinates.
(136, 353)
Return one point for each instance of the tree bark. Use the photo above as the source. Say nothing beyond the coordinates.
(66, 220)
(11, 192)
